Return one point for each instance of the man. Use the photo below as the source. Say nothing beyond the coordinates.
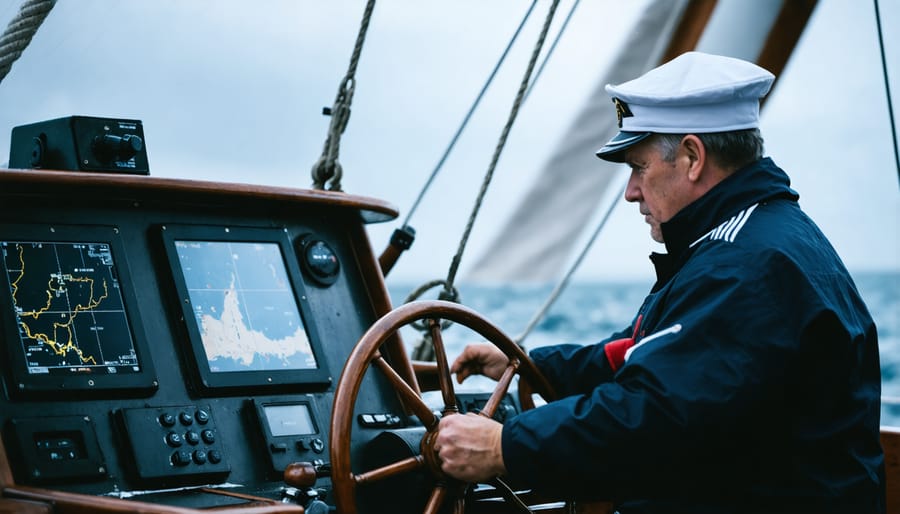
(749, 380)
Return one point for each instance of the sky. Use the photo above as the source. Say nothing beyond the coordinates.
(233, 91)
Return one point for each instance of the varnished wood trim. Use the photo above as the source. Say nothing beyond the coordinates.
(8, 506)
(6, 476)
(198, 192)
(74, 503)
(393, 350)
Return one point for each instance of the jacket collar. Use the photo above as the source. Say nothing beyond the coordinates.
(757, 182)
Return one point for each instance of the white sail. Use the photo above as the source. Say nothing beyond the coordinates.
(537, 241)
(569, 186)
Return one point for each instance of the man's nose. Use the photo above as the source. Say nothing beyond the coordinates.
(632, 191)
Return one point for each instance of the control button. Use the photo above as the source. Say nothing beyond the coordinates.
(186, 418)
(278, 447)
(181, 458)
(320, 261)
(199, 456)
(301, 445)
(166, 420)
(379, 420)
(174, 440)
(202, 416)
(209, 437)
(317, 445)
(214, 456)
(192, 438)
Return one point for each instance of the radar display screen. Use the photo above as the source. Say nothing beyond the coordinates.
(67, 324)
(241, 308)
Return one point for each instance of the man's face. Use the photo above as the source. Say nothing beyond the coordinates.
(658, 187)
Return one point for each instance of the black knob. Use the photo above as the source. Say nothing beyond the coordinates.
(192, 438)
(115, 148)
(199, 456)
(174, 440)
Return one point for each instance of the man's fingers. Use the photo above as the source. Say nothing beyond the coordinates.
(468, 355)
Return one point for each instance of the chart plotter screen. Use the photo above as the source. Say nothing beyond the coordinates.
(244, 306)
(69, 311)
(244, 309)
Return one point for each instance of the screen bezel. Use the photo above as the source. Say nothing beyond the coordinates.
(207, 381)
(27, 385)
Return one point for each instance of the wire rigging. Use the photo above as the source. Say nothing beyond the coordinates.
(484, 88)
(423, 351)
(887, 89)
(564, 282)
(468, 116)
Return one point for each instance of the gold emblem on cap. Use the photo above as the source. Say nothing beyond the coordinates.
(622, 110)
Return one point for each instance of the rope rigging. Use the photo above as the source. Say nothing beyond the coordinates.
(328, 168)
(468, 116)
(484, 88)
(20, 30)
(449, 292)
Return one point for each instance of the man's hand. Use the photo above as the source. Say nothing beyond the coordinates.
(469, 447)
(480, 359)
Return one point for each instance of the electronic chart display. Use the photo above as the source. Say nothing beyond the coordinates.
(239, 298)
(68, 325)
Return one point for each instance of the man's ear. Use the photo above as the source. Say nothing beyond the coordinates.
(695, 153)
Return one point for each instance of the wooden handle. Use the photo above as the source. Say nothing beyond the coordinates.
(300, 475)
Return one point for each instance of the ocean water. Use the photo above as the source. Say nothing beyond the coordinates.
(588, 312)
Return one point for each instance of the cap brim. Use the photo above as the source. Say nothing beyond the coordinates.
(612, 151)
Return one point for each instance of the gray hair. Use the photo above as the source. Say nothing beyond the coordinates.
(730, 150)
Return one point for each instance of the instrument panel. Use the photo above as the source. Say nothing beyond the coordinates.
(163, 341)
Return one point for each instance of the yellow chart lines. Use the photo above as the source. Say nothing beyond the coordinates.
(56, 288)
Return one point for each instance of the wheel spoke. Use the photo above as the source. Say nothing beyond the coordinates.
(436, 500)
(410, 397)
(459, 506)
(440, 357)
(500, 391)
(390, 470)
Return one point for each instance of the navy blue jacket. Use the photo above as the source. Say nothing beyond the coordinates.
(753, 384)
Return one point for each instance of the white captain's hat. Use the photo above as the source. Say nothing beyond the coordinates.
(694, 93)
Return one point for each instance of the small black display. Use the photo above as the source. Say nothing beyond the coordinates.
(289, 419)
(67, 309)
(241, 307)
